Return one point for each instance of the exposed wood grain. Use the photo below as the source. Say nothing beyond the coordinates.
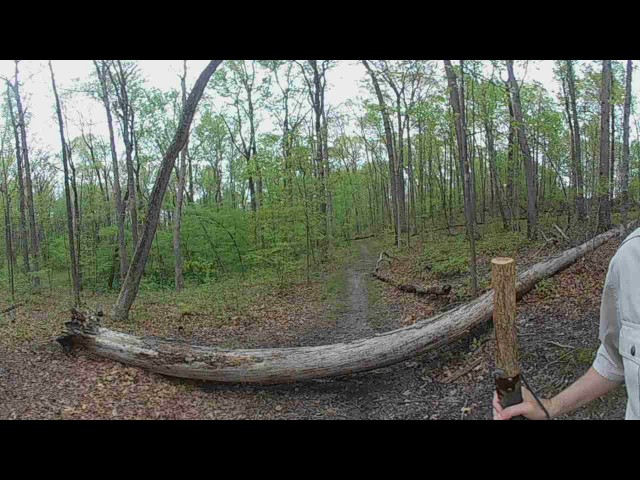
(503, 272)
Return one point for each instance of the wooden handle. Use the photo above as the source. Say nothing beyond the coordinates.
(503, 271)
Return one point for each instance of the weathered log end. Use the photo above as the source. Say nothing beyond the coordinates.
(82, 324)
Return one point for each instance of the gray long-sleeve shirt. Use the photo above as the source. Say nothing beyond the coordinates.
(618, 357)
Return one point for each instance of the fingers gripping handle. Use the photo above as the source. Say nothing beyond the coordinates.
(509, 391)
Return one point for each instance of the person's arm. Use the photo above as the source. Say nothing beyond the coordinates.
(606, 373)
(590, 386)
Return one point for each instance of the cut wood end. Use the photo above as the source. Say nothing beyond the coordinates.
(502, 261)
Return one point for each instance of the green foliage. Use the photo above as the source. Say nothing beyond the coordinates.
(545, 287)
(309, 206)
(496, 242)
(448, 258)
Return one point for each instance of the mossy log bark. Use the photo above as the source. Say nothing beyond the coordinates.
(282, 365)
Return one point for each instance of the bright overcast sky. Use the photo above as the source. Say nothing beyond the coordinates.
(344, 84)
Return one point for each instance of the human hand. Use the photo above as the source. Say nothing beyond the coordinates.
(529, 408)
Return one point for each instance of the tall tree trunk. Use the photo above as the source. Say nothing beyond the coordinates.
(8, 230)
(70, 230)
(604, 212)
(33, 230)
(399, 151)
(574, 157)
(612, 184)
(120, 86)
(457, 104)
(388, 133)
(327, 171)
(412, 193)
(177, 250)
(24, 236)
(117, 192)
(316, 89)
(530, 171)
(129, 289)
(512, 200)
(493, 171)
(76, 214)
(624, 186)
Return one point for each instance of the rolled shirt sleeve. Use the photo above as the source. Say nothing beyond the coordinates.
(608, 362)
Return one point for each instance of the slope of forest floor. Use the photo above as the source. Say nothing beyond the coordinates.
(557, 322)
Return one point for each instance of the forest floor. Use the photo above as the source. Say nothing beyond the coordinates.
(557, 324)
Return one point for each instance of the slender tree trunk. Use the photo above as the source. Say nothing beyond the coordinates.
(493, 170)
(72, 242)
(412, 192)
(129, 289)
(624, 186)
(612, 184)
(512, 178)
(33, 230)
(399, 174)
(604, 212)
(577, 143)
(574, 155)
(177, 250)
(24, 236)
(326, 166)
(117, 193)
(120, 86)
(8, 230)
(530, 172)
(390, 150)
(457, 104)
(76, 214)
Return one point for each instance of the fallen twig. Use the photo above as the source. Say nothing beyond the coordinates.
(541, 248)
(555, 361)
(462, 372)
(559, 344)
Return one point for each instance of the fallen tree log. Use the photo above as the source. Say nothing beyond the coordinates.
(282, 365)
(362, 238)
(408, 287)
(411, 288)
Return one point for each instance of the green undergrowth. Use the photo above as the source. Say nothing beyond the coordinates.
(447, 256)
(158, 309)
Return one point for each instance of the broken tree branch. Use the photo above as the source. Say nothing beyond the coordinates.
(462, 372)
(564, 235)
